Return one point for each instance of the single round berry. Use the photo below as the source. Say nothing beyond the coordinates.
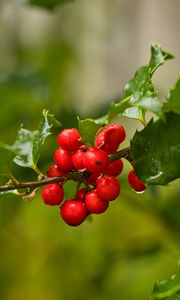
(101, 142)
(135, 182)
(52, 194)
(77, 158)
(95, 160)
(73, 212)
(95, 204)
(115, 168)
(69, 139)
(63, 159)
(115, 133)
(54, 171)
(108, 187)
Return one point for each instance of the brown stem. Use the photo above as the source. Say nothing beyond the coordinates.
(76, 176)
(124, 153)
(79, 176)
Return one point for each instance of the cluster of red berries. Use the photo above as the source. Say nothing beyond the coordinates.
(99, 174)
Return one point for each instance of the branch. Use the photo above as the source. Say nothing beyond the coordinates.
(124, 153)
(79, 176)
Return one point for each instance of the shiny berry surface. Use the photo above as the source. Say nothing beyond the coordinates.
(73, 212)
(63, 159)
(102, 143)
(69, 139)
(95, 204)
(115, 133)
(115, 168)
(108, 188)
(52, 194)
(95, 160)
(77, 158)
(135, 182)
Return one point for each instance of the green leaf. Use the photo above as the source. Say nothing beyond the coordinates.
(168, 289)
(49, 4)
(139, 92)
(89, 127)
(155, 151)
(173, 99)
(22, 148)
(158, 57)
(46, 124)
(28, 144)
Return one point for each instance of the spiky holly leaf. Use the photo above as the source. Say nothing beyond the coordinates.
(173, 100)
(156, 151)
(168, 289)
(22, 148)
(139, 93)
(28, 144)
(45, 126)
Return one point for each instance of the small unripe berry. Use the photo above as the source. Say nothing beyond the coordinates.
(114, 168)
(135, 182)
(108, 188)
(73, 212)
(95, 204)
(63, 159)
(69, 139)
(95, 160)
(52, 194)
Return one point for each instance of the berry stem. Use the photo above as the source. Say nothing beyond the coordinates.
(124, 153)
(36, 169)
(77, 188)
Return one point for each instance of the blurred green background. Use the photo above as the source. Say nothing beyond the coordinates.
(73, 61)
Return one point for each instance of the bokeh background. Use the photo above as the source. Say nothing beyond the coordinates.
(74, 61)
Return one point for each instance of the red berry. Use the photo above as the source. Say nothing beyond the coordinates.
(92, 178)
(52, 194)
(115, 133)
(77, 158)
(73, 212)
(100, 142)
(54, 171)
(108, 188)
(95, 160)
(115, 168)
(69, 139)
(95, 204)
(110, 138)
(63, 159)
(81, 194)
(135, 182)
